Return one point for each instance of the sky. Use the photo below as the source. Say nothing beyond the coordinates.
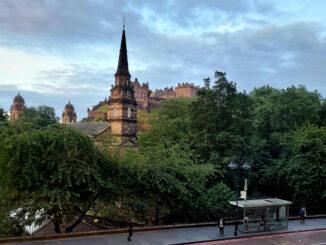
(55, 50)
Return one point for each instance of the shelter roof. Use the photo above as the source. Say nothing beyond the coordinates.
(257, 203)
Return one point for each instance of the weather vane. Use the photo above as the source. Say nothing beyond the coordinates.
(124, 20)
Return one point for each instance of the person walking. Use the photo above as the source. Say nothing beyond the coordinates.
(130, 232)
(303, 214)
(221, 224)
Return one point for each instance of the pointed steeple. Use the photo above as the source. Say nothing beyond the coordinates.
(123, 57)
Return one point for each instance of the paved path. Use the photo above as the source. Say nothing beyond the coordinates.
(172, 236)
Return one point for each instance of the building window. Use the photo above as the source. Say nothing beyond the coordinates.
(113, 112)
(129, 112)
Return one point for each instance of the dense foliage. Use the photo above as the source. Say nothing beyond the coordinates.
(41, 116)
(160, 179)
(52, 172)
(179, 172)
(279, 132)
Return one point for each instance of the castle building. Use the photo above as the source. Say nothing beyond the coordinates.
(69, 114)
(17, 107)
(122, 106)
(168, 93)
(141, 94)
(186, 90)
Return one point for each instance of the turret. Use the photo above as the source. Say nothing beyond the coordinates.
(17, 107)
(69, 114)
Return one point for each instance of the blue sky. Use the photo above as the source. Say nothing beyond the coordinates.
(55, 50)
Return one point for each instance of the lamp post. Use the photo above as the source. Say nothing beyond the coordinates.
(236, 166)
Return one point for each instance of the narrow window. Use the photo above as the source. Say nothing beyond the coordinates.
(129, 112)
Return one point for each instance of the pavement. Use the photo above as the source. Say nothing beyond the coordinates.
(180, 235)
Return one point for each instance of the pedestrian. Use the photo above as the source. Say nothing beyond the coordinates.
(221, 224)
(130, 232)
(303, 214)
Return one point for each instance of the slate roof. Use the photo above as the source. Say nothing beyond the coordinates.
(123, 57)
(91, 129)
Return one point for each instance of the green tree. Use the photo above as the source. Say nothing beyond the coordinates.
(220, 122)
(304, 164)
(160, 177)
(166, 179)
(169, 125)
(2, 115)
(54, 172)
(322, 114)
(214, 203)
(42, 116)
(276, 113)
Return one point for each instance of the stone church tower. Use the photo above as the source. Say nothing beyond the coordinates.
(122, 113)
(17, 107)
(69, 115)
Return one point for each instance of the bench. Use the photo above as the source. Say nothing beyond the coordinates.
(252, 225)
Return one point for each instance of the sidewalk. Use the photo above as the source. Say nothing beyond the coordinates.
(175, 236)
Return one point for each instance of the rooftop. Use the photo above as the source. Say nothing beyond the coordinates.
(91, 129)
(257, 203)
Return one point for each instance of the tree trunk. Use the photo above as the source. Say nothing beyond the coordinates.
(78, 221)
(57, 222)
(73, 226)
(157, 215)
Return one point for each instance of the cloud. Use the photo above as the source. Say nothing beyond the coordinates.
(55, 50)
(97, 20)
(281, 55)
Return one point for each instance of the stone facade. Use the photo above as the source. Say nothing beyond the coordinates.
(148, 100)
(186, 90)
(122, 106)
(69, 114)
(141, 93)
(17, 107)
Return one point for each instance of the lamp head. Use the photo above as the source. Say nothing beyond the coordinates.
(246, 166)
(233, 165)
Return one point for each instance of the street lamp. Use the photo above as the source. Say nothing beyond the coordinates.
(236, 166)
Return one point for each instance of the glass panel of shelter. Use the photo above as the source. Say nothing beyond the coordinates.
(264, 218)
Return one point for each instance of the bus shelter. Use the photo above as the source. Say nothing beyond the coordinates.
(263, 214)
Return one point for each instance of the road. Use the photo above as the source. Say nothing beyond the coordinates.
(299, 238)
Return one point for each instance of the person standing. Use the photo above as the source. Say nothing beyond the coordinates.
(303, 214)
(221, 224)
(130, 232)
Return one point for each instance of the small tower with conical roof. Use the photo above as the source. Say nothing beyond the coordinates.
(17, 107)
(122, 113)
(69, 114)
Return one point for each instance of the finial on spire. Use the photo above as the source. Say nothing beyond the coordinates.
(124, 20)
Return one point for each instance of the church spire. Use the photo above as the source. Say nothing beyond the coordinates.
(123, 57)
